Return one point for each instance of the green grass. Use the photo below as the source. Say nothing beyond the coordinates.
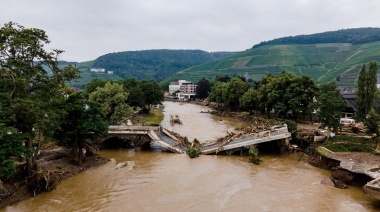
(154, 118)
(350, 144)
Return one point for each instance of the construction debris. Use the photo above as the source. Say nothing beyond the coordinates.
(354, 129)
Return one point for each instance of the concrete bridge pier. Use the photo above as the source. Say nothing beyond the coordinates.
(284, 145)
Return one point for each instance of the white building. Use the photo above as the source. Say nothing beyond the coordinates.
(97, 70)
(173, 87)
(185, 89)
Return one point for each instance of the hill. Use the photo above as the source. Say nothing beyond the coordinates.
(353, 36)
(324, 62)
(153, 64)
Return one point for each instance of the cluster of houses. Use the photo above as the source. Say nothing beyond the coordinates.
(183, 90)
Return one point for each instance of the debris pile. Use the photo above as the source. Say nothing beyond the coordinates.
(306, 134)
(194, 150)
(175, 120)
(261, 131)
(354, 129)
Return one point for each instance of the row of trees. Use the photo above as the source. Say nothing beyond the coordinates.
(285, 95)
(290, 94)
(118, 98)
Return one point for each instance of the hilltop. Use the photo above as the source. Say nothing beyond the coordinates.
(154, 64)
(331, 56)
(145, 64)
(353, 36)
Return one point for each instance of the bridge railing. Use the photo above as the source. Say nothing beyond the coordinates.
(132, 128)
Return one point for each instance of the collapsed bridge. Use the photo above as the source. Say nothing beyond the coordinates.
(167, 140)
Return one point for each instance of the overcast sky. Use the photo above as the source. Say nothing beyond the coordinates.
(87, 29)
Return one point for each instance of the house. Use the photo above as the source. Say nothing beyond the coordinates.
(349, 95)
(97, 70)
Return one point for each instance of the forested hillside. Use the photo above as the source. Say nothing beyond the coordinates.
(323, 62)
(353, 36)
(154, 64)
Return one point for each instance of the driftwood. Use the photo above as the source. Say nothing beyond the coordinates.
(175, 120)
(181, 141)
(353, 129)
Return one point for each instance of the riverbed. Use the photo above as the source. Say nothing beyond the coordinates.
(162, 181)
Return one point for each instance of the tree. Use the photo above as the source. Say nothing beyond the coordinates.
(93, 84)
(203, 88)
(136, 97)
(153, 94)
(287, 93)
(129, 83)
(249, 100)
(218, 93)
(224, 78)
(367, 89)
(266, 99)
(30, 83)
(112, 98)
(82, 121)
(283, 92)
(235, 89)
(298, 95)
(372, 122)
(329, 105)
(10, 145)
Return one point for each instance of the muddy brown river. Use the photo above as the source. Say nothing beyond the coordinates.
(162, 181)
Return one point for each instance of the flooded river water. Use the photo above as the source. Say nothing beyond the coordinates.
(161, 181)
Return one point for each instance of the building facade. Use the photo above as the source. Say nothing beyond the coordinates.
(184, 90)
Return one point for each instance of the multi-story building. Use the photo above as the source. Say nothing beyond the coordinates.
(184, 89)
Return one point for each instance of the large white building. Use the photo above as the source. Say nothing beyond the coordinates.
(97, 70)
(185, 89)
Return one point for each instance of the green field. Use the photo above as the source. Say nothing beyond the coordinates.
(324, 62)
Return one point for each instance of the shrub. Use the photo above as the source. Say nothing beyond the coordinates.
(254, 156)
(292, 125)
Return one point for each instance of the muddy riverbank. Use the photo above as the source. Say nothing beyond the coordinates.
(55, 163)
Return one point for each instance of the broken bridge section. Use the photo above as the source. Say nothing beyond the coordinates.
(165, 139)
(158, 135)
(275, 133)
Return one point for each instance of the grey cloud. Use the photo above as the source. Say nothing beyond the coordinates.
(87, 29)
